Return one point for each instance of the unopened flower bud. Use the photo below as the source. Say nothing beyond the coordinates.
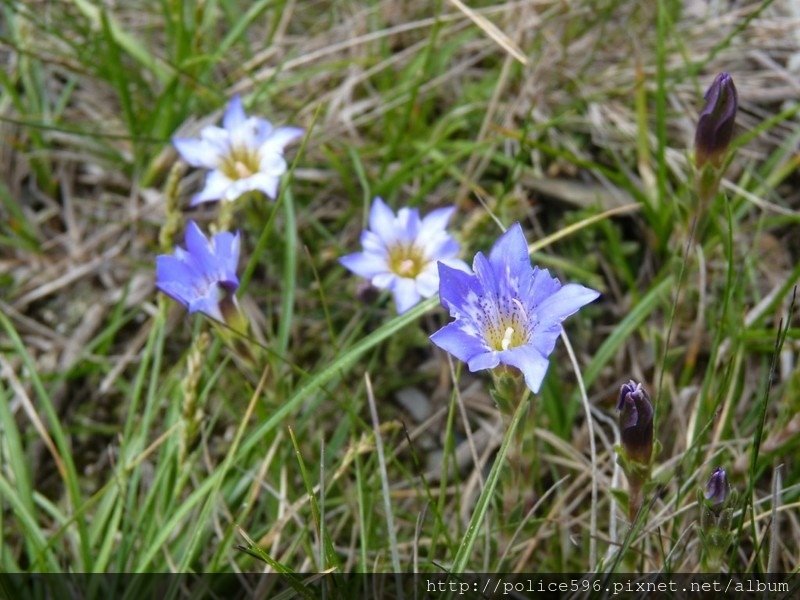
(717, 488)
(715, 126)
(367, 293)
(636, 422)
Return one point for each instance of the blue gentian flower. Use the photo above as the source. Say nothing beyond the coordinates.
(202, 277)
(507, 312)
(400, 252)
(245, 154)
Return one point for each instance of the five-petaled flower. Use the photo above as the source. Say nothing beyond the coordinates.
(400, 252)
(245, 154)
(202, 277)
(506, 312)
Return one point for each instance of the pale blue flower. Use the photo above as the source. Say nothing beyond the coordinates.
(245, 154)
(507, 312)
(203, 276)
(400, 252)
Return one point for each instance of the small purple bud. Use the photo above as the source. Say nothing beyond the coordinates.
(717, 488)
(715, 126)
(636, 422)
(367, 293)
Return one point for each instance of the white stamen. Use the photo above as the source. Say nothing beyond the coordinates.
(520, 306)
(241, 169)
(406, 267)
(506, 342)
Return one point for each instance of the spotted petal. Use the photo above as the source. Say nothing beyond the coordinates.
(506, 297)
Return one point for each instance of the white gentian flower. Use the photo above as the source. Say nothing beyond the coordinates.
(401, 252)
(245, 154)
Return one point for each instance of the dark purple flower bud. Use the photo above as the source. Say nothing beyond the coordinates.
(715, 126)
(636, 422)
(717, 488)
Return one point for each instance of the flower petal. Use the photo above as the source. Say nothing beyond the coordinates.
(541, 286)
(486, 274)
(280, 137)
(545, 336)
(456, 263)
(372, 244)
(436, 221)
(407, 225)
(383, 280)
(198, 246)
(455, 287)
(234, 115)
(564, 302)
(208, 305)
(272, 164)
(439, 246)
(528, 360)
(510, 251)
(226, 248)
(217, 183)
(485, 360)
(364, 264)
(511, 263)
(267, 184)
(197, 152)
(453, 339)
(174, 278)
(381, 220)
(262, 130)
(405, 294)
(246, 134)
(428, 281)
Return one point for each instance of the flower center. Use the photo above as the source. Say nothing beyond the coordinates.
(241, 162)
(509, 328)
(406, 260)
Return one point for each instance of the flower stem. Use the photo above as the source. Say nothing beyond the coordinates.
(482, 506)
(635, 498)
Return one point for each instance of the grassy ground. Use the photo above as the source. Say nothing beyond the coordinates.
(132, 438)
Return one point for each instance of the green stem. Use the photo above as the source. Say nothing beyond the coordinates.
(482, 506)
